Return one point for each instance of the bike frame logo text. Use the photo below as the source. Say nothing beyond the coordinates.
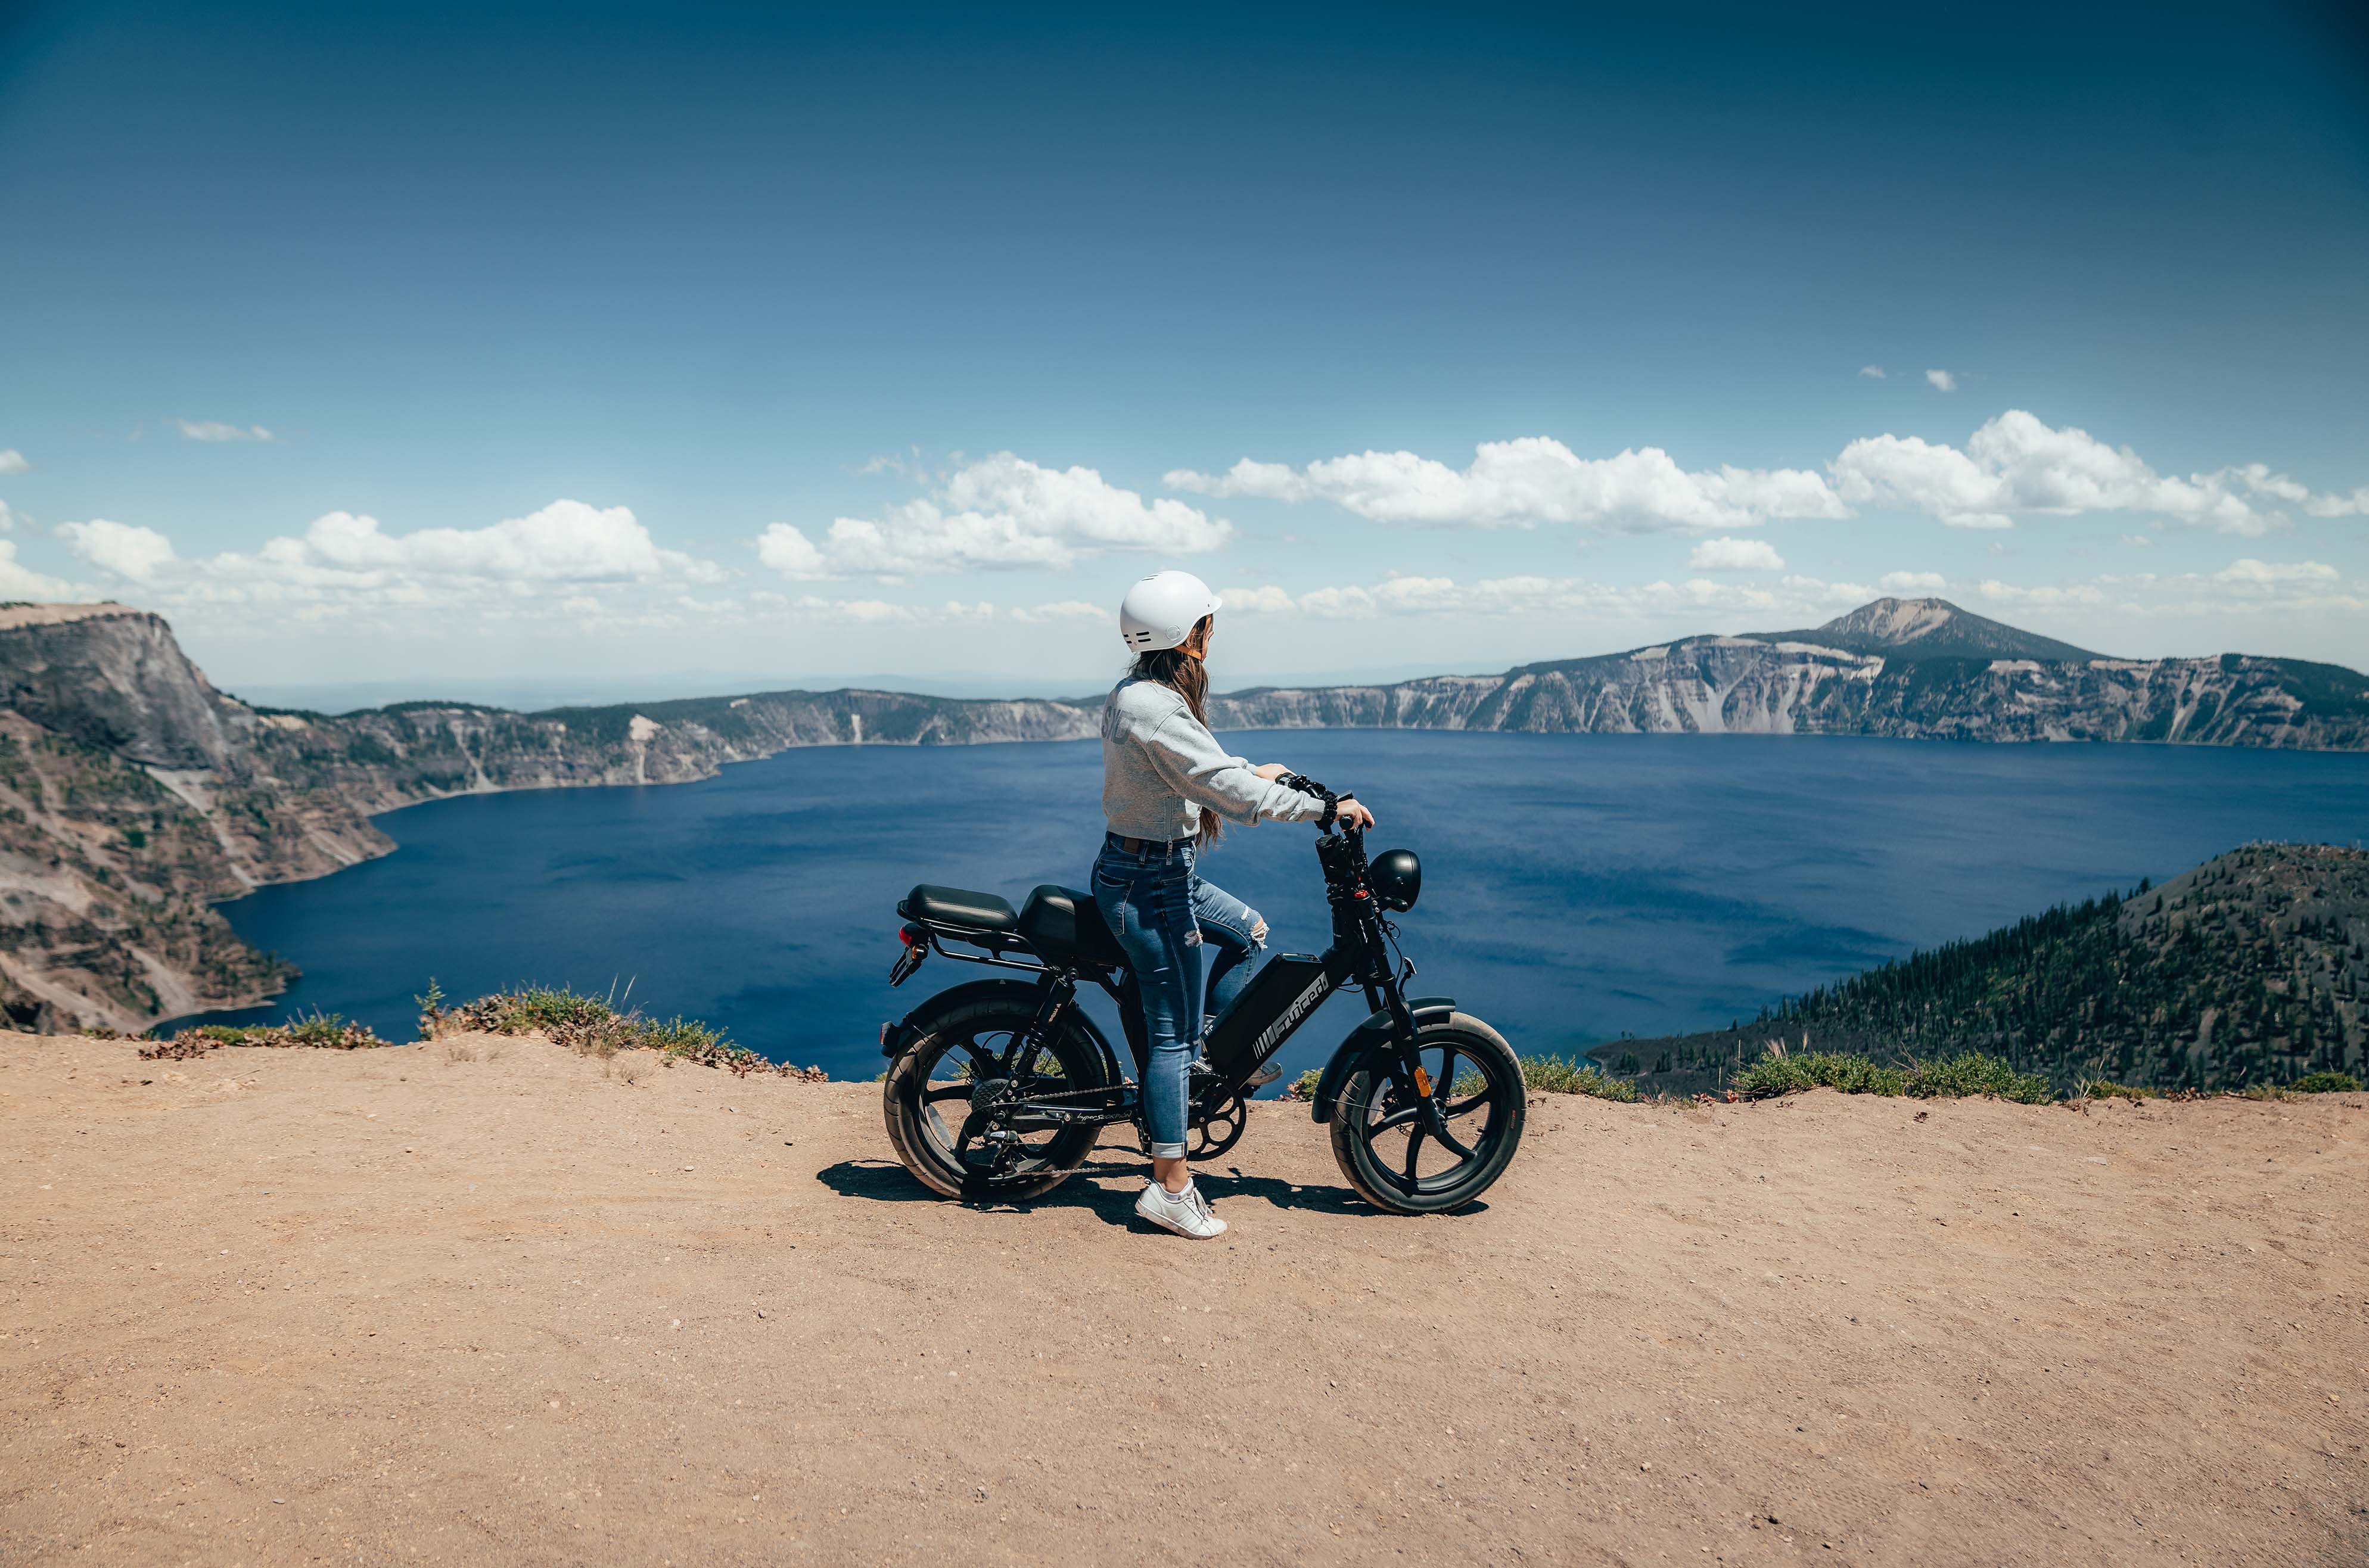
(1320, 987)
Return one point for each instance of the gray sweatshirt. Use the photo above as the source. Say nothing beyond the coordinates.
(1162, 768)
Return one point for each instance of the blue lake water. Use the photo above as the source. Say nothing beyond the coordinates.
(1576, 887)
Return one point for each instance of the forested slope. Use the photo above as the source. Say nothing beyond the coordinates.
(2252, 968)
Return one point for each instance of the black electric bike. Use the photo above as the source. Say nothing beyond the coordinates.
(998, 1088)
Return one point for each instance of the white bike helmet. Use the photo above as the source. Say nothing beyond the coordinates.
(1161, 611)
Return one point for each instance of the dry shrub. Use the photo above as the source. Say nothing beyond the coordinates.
(322, 1031)
(591, 1026)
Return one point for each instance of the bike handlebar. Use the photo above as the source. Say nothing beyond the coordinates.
(1307, 785)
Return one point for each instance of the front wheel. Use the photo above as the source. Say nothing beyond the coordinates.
(1384, 1137)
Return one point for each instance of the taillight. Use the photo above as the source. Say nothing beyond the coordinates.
(904, 936)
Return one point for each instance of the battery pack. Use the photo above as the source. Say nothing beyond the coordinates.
(1286, 988)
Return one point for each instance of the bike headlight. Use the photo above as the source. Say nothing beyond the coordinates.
(1398, 878)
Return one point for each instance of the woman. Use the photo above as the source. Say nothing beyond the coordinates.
(1166, 786)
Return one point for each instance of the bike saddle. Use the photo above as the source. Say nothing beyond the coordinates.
(959, 907)
(1064, 926)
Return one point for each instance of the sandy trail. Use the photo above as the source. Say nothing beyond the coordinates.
(405, 1306)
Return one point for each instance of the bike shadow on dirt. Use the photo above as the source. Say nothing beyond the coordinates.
(1106, 1186)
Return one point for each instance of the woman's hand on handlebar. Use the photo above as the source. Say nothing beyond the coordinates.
(1353, 813)
(1271, 771)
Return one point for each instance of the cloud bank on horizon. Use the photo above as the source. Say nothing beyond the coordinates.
(2014, 465)
(1004, 514)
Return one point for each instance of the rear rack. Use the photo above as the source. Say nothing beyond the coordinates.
(997, 942)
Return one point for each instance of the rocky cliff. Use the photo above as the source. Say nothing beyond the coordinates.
(1911, 669)
(133, 796)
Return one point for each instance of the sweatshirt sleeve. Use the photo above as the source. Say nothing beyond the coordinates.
(1184, 753)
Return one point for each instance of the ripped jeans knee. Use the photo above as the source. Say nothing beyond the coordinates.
(1232, 932)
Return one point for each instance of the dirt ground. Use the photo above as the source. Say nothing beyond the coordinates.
(487, 1302)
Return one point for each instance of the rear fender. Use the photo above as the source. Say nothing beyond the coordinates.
(1373, 1033)
(897, 1037)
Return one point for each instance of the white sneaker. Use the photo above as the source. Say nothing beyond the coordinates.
(1186, 1213)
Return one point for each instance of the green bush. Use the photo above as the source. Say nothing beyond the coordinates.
(1562, 1075)
(1773, 1075)
(543, 1008)
(2105, 1089)
(591, 1026)
(1975, 1074)
(2325, 1083)
(322, 1031)
(1950, 1078)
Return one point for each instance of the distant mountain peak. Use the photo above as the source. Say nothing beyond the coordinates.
(1898, 619)
(1931, 628)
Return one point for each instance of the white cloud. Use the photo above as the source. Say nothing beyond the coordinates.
(2248, 586)
(2253, 573)
(790, 553)
(876, 611)
(215, 431)
(1001, 511)
(1818, 593)
(2013, 467)
(121, 549)
(1874, 371)
(881, 611)
(1908, 471)
(2016, 465)
(1268, 600)
(12, 460)
(18, 582)
(1736, 556)
(1532, 480)
(2072, 593)
(1397, 596)
(9, 518)
(1066, 610)
(346, 559)
(1943, 381)
(2138, 540)
(1912, 582)
(565, 541)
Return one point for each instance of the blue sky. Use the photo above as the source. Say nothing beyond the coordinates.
(410, 345)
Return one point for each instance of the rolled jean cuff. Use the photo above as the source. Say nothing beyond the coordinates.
(1168, 1151)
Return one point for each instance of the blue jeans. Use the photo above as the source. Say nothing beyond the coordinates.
(1160, 911)
(1226, 923)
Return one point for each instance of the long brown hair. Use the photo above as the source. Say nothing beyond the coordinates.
(1186, 676)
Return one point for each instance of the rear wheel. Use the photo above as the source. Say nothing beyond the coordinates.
(927, 1098)
(1382, 1135)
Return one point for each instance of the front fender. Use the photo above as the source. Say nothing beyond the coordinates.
(1375, 1031)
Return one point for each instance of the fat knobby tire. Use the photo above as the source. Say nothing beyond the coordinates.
(905, 1112)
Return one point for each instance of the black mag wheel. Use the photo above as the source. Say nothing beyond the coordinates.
(926, 1099)
(1384, 1141)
